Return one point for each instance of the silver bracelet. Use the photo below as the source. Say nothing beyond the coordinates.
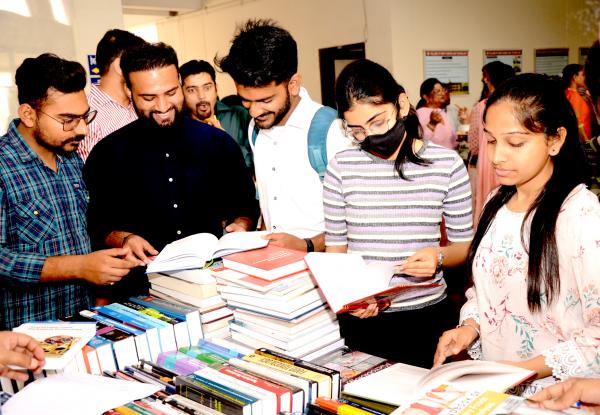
(465, 324)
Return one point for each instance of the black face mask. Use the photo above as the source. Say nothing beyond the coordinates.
(384, 145)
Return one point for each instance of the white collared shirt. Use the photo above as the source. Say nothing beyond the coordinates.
(290, 191)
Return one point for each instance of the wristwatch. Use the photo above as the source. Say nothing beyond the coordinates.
(440, 260)
(310, 247)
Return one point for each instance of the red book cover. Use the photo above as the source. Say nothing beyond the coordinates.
(268, 263)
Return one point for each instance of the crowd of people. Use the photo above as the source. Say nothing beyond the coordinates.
(92, 186)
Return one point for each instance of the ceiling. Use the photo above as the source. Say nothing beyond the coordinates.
(161, 7)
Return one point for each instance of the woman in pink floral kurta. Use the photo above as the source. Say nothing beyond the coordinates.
(541, 314)
(567, 333)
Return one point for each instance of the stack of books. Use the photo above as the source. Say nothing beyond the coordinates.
(196, 288)
(276, 303)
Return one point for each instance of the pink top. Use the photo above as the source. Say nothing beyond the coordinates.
(567, 333)
(444, 134)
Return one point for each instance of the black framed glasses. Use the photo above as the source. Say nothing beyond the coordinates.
(71, 122)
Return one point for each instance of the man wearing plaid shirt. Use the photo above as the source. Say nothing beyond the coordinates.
(46, 264)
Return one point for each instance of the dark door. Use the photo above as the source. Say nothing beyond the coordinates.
(332, 61)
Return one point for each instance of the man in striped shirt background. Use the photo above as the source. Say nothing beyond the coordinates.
(110, 98)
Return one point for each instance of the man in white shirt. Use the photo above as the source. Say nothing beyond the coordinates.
(268, 82)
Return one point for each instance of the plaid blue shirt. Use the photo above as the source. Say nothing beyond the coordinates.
(42, 214)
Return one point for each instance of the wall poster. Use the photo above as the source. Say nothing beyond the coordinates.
(551, 61)
(451, 67)
(512, 57)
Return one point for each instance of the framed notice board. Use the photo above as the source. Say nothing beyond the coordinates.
(551, 61)
(511, 57)
(451, 67)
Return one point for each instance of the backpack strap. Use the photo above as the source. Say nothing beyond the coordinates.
(317, 139)
(254, 134)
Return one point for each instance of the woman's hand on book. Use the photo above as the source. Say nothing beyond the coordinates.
(566, 394)
(19, 349)
(452, 342)
(422, 263)
(371, 311)
(286, 240)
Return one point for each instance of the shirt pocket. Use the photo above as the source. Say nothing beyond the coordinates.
(36, 222)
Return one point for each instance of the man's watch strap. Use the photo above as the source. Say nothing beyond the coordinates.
(310, 247)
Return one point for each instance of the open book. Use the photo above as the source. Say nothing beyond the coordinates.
(450, 400)
(349, 283)
(400, 384)
(193, 251)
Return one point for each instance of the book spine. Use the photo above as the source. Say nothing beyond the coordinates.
(313, 409)
(164, 306)
(166, 333)
(321, 379)
(111, 322)
(209, 396)
(364, 408)
(282, 397)
(333, 375)
(220, 350)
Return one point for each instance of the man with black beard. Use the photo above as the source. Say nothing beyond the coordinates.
(47, 268)
(164, 176)
(263, 62)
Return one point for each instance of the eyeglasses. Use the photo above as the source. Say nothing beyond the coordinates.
(72, 121)
(375, 127)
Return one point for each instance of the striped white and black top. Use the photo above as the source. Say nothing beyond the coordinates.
(383, 217)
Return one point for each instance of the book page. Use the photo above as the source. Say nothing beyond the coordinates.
(345, 278)
(394, 385)
(475, 374)
(239, 241)
(186, 253)
(75, 394)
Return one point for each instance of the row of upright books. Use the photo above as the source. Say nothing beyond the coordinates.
(225, 381)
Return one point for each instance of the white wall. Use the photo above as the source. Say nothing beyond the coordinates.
(314, 24)
(395, 31)
(29, 36)
(476, 25)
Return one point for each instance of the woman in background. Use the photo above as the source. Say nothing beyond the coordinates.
(385, 201)
(579, 97)
(436, 125)
(535, 301)
(493, 74)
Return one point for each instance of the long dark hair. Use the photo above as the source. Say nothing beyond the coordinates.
(368, 82)
(541, 107)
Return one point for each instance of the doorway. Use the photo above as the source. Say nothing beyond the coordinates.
(331, 62)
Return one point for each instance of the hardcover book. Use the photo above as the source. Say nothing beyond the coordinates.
(269, 263)
(193, 251)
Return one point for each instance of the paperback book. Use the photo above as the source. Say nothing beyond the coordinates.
(61, 341)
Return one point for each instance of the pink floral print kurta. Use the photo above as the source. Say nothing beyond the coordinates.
(567, 332)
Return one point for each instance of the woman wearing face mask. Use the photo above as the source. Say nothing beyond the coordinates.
(385, 201)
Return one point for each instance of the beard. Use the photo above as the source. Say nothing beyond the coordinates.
(151, 122)
(65, 147)
(203, 114)
(271, 118)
